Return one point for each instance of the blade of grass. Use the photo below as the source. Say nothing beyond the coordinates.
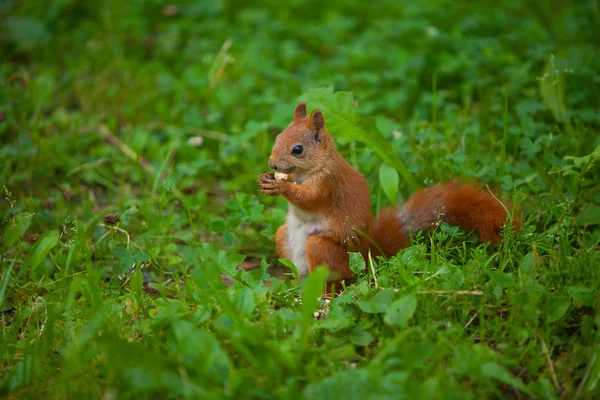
(315, 285)
(5, 280)
(504, 135)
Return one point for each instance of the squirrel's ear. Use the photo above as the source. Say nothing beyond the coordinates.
(300, 112)
(316, 123)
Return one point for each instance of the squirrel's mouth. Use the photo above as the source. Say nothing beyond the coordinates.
(287, 170)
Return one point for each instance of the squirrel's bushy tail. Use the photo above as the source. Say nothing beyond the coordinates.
(456, 203)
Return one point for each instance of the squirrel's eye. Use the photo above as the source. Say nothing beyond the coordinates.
(297, 150)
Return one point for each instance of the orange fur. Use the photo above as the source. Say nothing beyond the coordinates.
(330, 206)
(328, 198)
(281, 244)
(322, 250)
(456, 203)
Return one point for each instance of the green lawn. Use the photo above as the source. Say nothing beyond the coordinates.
(133, 132)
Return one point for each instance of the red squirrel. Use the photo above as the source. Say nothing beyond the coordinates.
(330, 206)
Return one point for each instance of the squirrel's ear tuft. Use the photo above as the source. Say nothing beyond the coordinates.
(300, 112)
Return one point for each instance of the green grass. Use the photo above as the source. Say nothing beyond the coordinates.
(101, 104)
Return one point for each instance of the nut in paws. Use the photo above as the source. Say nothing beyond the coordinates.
(270, 185)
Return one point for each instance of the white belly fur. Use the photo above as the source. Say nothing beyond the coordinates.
(300, 226)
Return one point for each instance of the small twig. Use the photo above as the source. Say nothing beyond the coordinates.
(134, 156)
(588, 370)
(24, 333)
(440, 271)
(108, 232)
(15, 260)
(499, 201)
(370, 239)
(92, 197)
(221, 61)
(87, 165)
(447, 292)
(62, 279)
(39, 284)
(103, 236)
(471, 320)
(373, 270)
(41, 330)
(550, 365)
(126, 149)
(223, 137)
(452, 292)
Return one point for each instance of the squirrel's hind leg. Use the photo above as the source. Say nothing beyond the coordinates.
(322, 250)
(281, 242)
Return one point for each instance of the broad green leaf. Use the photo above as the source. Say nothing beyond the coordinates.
(217, 225)
(207, 278)
(121, 252)
(5, 279)
(589, 216)
(137, 284)
(127, 258)
(496, 371)
(20, 375)
(15, 228)
(357, 262)
(27, 31)
(144, 370)
(91, 288)
(202, 352)
(126, 214)
(170, 310)
(40, 250)
(343, 122)
(201, 315)
(226, 261)
(594, 367)
(126, 264)
(555, 308)
(552, 89)
(389, 181)
(245, 301)
(141, 257)
(361, 337)
(585, 296)
(401, 311)
(393, 382)
(314, 287)
(527, 262)
(291, 266)
(229, 237)
(337, 319)
(578, 165)
(503, 279)
(355, 384)
(379, 304)
(255, 278)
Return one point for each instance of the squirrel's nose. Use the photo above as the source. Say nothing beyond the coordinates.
(272, 165)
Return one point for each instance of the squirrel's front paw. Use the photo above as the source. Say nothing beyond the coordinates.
(270, 185)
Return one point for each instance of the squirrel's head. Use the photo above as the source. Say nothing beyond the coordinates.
(304, 147)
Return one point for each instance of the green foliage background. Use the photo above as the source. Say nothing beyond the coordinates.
(164, 113)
